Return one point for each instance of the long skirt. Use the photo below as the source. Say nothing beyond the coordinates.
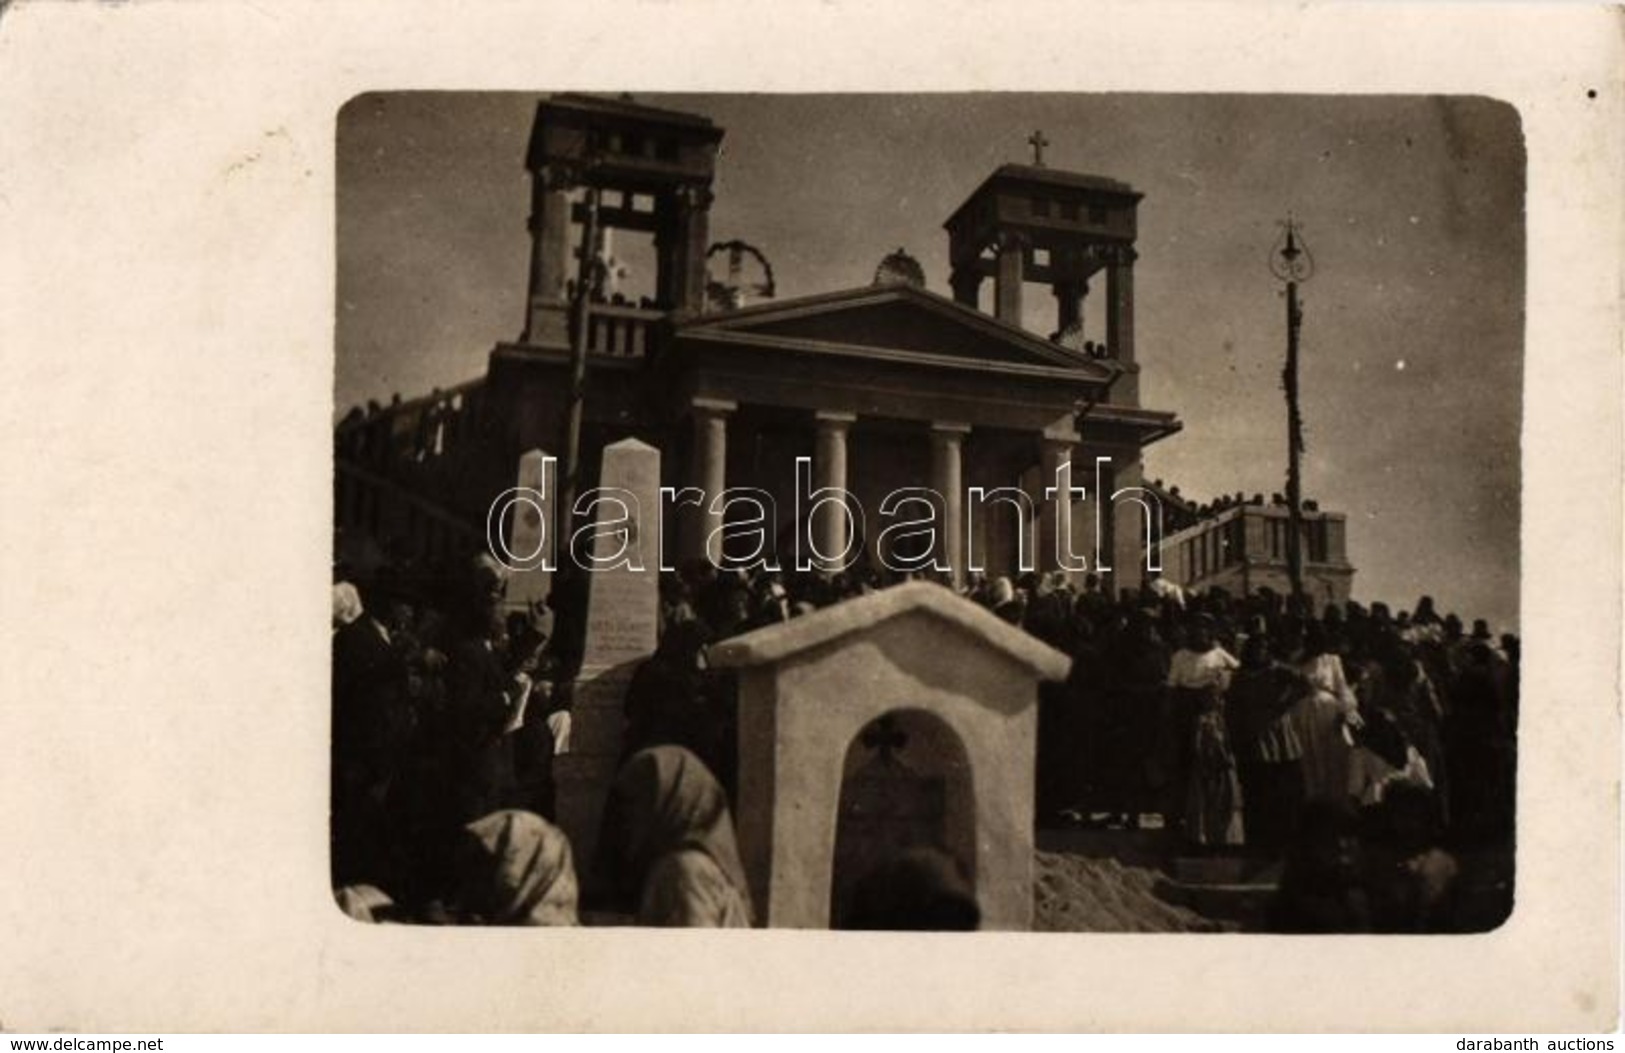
(1318, 719)
(1213, 814)
(1175, 750)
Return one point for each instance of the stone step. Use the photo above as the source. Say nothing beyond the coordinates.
(1225, 870)
(1244, 906)
(1136, 847)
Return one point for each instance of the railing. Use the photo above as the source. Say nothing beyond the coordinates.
(1249, 535)
(620, 331)
(1202, 550)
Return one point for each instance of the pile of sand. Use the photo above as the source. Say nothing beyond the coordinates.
(1080, 894)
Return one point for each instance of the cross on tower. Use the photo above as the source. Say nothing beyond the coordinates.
(1038, 142)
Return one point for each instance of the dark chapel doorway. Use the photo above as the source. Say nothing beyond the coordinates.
(906, 783)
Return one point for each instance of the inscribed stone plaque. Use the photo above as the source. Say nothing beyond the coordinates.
(623, 616)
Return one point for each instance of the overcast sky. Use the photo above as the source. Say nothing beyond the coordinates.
(1411, 206)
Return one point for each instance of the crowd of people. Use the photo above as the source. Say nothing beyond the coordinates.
(1181, 511)
(1351, 741)
(447, 715)
(1374, 751)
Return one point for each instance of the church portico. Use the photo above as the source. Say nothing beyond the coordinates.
(839, 488)
(893, 388)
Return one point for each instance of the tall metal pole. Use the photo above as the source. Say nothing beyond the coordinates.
(1291, 263)
(1294, 479)
(586, 282)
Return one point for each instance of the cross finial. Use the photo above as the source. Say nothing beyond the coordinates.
(1038, 142)
(1290, 260)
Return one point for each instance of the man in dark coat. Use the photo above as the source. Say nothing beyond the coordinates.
(370, 725)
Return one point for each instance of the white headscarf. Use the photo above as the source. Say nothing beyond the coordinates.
(364, 902)
(516, 868)
(346, 604)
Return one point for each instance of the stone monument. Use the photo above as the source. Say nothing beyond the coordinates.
(825, 701)
(623, 621)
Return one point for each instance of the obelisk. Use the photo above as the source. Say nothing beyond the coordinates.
(623, 618)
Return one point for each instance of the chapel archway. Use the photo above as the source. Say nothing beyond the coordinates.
(906, 782)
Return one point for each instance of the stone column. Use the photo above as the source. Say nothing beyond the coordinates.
(693, 205)
(1012, 266)
(1055, 513)
(948, 480)
(1120, 321)
(708, 471)
(547, 320)
(829, 471)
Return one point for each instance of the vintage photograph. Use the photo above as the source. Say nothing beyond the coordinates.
(987, 511)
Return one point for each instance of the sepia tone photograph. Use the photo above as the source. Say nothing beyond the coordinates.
(793, 487)
(1028, 512)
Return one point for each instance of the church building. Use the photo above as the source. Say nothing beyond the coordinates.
(873, 389)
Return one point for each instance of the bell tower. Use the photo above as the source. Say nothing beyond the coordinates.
(654, 169)
(1033, 224)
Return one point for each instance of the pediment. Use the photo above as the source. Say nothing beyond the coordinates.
(892, 321)
(852, 619)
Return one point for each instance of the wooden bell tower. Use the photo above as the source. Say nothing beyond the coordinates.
(1034, 224)
(653, 169)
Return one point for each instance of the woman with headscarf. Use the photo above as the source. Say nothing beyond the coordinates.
(667, 853)
(1195, 750)
(515, 868)
(1326, 718)
(369, 733)
(365, 903)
